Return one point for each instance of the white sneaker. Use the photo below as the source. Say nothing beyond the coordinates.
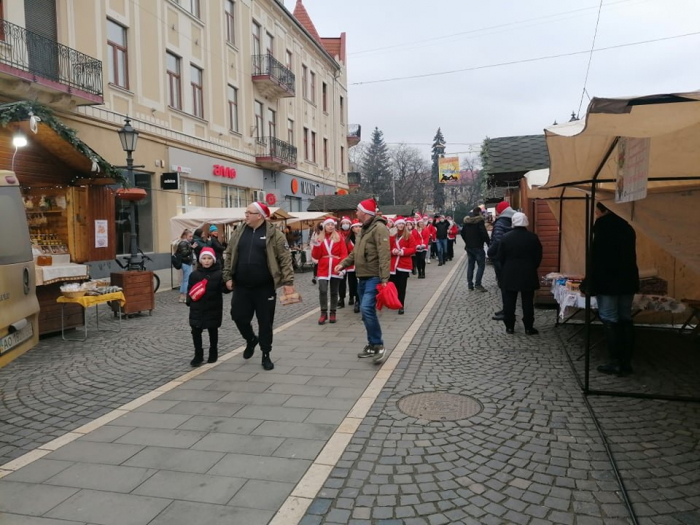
(380, 354)
(367, 351)
(428, 261)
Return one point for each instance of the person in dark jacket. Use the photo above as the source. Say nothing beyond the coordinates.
(520, 254)
(441, 229)
(501, 226)
(206, 313)
(185, 253)
(474, 235)
(199, 241)
(614, 281)
(215, 244)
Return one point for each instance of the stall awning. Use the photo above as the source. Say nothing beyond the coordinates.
(201, 216)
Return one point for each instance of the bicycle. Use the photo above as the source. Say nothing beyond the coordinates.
(140, 266)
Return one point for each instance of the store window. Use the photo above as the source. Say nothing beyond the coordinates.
(230, 10)
(196, 80)
(233, 108)
(235, 197)
(174, 86)
(292, 204)
(117, 56)
(144, 218)
(193, 195)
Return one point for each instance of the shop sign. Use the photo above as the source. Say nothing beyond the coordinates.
(180, 169)
(632, 174)
(308, 188)
(224, 171)
(271, 199)
(295, 186)
(170, 181)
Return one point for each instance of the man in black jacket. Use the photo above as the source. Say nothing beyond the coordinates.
(441, 228)
(501, 226)
(475, 236)
(614, 281)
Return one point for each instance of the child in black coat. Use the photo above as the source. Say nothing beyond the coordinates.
(207, 311)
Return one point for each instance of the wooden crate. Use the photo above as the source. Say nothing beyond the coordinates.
(50, 310)
(138, 291)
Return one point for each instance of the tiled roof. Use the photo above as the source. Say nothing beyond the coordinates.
(516, 154)
(337, 202)
(333, 46)
(302, 15)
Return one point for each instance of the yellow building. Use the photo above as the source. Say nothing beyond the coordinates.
(242, 99)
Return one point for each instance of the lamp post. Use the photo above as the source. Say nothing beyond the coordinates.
(128, 136)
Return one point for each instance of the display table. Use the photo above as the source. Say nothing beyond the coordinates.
(60, 270)
(86, 302)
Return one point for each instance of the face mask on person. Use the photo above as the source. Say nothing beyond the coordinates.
(345, 227)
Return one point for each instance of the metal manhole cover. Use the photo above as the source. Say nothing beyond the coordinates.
(439, 406)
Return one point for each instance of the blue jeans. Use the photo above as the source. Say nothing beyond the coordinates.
(475, 256)
(615, 308)
(186, 271)
(442, 249)
(367, 292)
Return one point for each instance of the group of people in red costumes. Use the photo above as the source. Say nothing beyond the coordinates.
(409, 243)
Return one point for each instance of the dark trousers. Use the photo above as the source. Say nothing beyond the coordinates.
(400, 279)
(213, 342)
(352, 285)
(510, 299)
(450, 249)
(476, 257)
(342, 289)
(497, 268)
(323, 286)
(419, 262)
(259, 301)
(433, 250)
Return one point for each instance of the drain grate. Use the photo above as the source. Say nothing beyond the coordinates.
(439, 406)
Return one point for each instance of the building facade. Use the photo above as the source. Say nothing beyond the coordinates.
(233, 99)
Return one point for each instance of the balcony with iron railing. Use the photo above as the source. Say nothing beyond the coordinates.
(275, 154)
(354, 134)
(50, 66)
(272, 78)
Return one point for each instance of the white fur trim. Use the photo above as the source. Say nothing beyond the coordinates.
(363, 209)
(260, 209)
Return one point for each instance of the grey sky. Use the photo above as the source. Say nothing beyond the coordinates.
(509, 100)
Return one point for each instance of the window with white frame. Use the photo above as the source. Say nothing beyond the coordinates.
(230, 13)
(270, 44)
(235, 197)
(174, 79)
(193, 195)
(290, 131)
(271, 123)
(304, 81)
(196, 80)
(233, 108)
(117, 56)
(191, 6)
(259, 121)
(312, 81)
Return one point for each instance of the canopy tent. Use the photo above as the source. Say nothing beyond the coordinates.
(197, 218)
(306, 219)
(584, 156)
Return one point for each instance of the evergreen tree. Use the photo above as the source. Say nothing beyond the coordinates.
(376, 169)
(438, 189)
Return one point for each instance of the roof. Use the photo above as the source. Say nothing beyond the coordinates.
(301, 14)
(516, 154)
(402, 210)
(58, 139)
(495, 194)
(337, 202)
(334, 46)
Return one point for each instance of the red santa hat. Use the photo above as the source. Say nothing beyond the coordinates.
(502, 206)
(400, 220)
(368, 206)
(345, 219)
(356, 222)
(329, 220)
(207, 251)
(262, 208)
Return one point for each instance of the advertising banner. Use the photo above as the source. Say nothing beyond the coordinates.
(448, 168)
(632, 169)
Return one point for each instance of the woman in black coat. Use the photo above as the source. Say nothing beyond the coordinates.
(520, 254)
(207, 312)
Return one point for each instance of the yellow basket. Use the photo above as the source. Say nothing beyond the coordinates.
(74, 295)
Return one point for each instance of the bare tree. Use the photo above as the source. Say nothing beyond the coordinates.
(411, 175)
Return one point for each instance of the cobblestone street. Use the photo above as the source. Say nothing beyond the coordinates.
(326, 438)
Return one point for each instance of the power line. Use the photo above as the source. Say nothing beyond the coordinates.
(590, 59)
(471, 31)
(523, 61)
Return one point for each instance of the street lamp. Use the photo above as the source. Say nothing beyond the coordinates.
(128, 136)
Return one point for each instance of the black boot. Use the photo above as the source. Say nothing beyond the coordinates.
(267, 363)
(341, 303)
(613, 341)
(351, 301)
(198, 350)
(213, 355)
(213, 345)
(626, 346)
(250, 348)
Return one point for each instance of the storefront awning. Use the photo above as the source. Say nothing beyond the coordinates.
(197, 218)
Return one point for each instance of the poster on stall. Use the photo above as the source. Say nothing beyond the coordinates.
(448, 170)
(632, 173)
(101, 238)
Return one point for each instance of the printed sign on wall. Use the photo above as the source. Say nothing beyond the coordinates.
(632, 173)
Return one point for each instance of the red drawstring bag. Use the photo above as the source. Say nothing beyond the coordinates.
(388, 296)
(197, 291)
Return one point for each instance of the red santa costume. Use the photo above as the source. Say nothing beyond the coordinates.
(402, 248)
(329, 249)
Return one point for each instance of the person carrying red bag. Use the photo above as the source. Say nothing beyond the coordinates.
(403, 246)
(423, 234)
(328, 249)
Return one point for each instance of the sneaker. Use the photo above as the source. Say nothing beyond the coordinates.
(322, 318)
(341, 303)
(532, 331)
(480, 288)
(498, 316)
(428, 261)
(367, 351)
(351, 301)
(380, 354)
(471, 287)
(400, 311)
(510, 331)
(213, 356)
(267, 363)
(332, 319)
(356, 309)
(313, 281)
(196, 362)
(250, 348)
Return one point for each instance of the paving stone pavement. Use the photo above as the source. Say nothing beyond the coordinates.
(532, 456)
(60, 385)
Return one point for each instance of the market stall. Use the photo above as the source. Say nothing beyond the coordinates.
(586, 156)
(220, 216)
